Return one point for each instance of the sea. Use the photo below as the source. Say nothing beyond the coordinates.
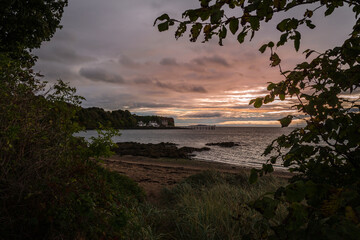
(252, 142)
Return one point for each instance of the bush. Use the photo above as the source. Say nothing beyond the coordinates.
(50, 185)
(208, 205)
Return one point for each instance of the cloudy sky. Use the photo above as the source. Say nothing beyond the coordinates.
(110, 51)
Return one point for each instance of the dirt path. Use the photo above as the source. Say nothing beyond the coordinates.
(155, 174)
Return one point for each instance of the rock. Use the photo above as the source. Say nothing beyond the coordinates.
(223, 144)
(155, 150)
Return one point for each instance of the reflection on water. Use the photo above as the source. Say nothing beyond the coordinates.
(252, 141)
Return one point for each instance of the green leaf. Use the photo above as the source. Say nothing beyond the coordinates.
(241, 37)
(268, 168)
(292, 24)
(308, 13)
(282, 25)
(309, 53)
(163, 26)
(309, 24)
(283, 39)
(254, 23)
(297, 40)
(268, 99)
(253, 175)
(271, 86)
(180, 31)
(263, 48)
(234, 25)
(275, 60)
(162, 18)
(266, 206)
(195, 31)
(216, 16)
(279, 3)
(222, 35)
(223, 32)
(295, 192)
(282, 96)
(258, 102)
(285, 122)
(330, 10)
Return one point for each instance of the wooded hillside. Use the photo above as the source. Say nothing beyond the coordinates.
(90, 118)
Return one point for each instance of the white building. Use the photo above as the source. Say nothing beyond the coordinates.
(141, 124)
(164, 123)
(153, 124)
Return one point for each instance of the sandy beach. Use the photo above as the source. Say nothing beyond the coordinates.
(154, 174)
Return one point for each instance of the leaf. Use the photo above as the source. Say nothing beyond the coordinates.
(277, 3)
(309, 24)
(283, 39)
(254, 23)
(282, 96)
(195, 31)
(223, 32)
(330, 10)
(234, 25)
(308, 52)
(162, 18)
(271, 86)
(258, 102)
(308, 13)
(295, 192)
(275, 60)
(266, 206)
(351, 215)
(222, 35)
(268, 99)
(241, 37)
(297, 40)
(253, 175)
(263, 48)
(268, 150)
(216, 16)
(207, 28)
(282, 25)
(163, 26)
(282, 4)
(268, 168)
(285, 122)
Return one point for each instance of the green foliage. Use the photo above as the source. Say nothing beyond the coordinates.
(101, 145)
(323, 197)
(209, 205)
(92, 118)
(51, 187)
(25, 25)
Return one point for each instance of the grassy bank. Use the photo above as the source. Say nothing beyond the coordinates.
(209, 205)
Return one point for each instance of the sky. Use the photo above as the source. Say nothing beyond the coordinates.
(111, 52)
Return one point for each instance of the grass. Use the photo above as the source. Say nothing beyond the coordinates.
(209, 205)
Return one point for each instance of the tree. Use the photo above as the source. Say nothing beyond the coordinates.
(51, 185)
(323, 198)
(26, 24)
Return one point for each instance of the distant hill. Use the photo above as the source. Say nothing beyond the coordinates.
(120, 119)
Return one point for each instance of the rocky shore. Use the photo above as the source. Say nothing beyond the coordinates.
(168, 150)
(224, 144)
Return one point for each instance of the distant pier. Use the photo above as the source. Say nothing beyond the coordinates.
(202, 127)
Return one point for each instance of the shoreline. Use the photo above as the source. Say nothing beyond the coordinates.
(142, 128)
(155, 174)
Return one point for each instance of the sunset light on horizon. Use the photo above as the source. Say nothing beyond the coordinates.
(111, 52)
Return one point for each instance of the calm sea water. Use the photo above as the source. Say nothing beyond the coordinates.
(252, 140)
